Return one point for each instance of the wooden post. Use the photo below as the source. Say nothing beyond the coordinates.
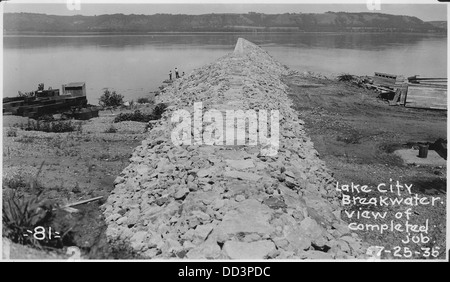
(403, 94)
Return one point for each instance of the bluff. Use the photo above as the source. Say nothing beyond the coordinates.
(293, 22)
(204, 201)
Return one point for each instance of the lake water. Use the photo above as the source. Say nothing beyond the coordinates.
(133, 65)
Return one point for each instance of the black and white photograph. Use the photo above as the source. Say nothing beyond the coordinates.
(214, 131)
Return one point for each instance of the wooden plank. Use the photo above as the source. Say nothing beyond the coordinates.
(426, 97)
(424, 103)
(423, 97)
(438, 82)
(430, 85)
(403, 94)
(429, 78)
(83, 202)
(423, 106)
(393, 102)
(427, 90)
(379, 87)
(384, 81)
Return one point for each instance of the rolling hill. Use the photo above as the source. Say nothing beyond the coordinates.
(330, 21)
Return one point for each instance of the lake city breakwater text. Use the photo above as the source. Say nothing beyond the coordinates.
(394, 194)
(384, 188)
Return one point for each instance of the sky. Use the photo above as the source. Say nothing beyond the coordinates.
(426, 12)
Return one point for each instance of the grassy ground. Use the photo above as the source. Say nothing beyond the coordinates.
(356, 134)
(73, 166)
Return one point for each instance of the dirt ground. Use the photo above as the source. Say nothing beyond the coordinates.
(75, 166)
(356, 134)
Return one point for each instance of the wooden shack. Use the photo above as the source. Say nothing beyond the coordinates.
(388, 80)
(75, 89)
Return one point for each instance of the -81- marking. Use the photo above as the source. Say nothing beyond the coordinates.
(40, 233)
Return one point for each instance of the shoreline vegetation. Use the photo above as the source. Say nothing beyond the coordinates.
(250, 22)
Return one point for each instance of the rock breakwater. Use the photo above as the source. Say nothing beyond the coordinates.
(203, 201)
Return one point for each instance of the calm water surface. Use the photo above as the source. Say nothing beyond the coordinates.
(136, 64)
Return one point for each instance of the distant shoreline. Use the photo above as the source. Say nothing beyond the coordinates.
(223, 23)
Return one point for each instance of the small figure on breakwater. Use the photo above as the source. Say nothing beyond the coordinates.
(170, 75)
(182, 74)
(177, 75)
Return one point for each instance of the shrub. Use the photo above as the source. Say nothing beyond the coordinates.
(50, 126)
(12, 132)
(26, 94)
(61, 126)
(111, 129)
(46, 118)
(110, 99)
(26, 139)
(16, 181)
(136, 116)
(80, 127)
(353, 138)
(148, 127)
(345, 77)
(142, 117)
(22, 179)
(143, 100)
(159, 110)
